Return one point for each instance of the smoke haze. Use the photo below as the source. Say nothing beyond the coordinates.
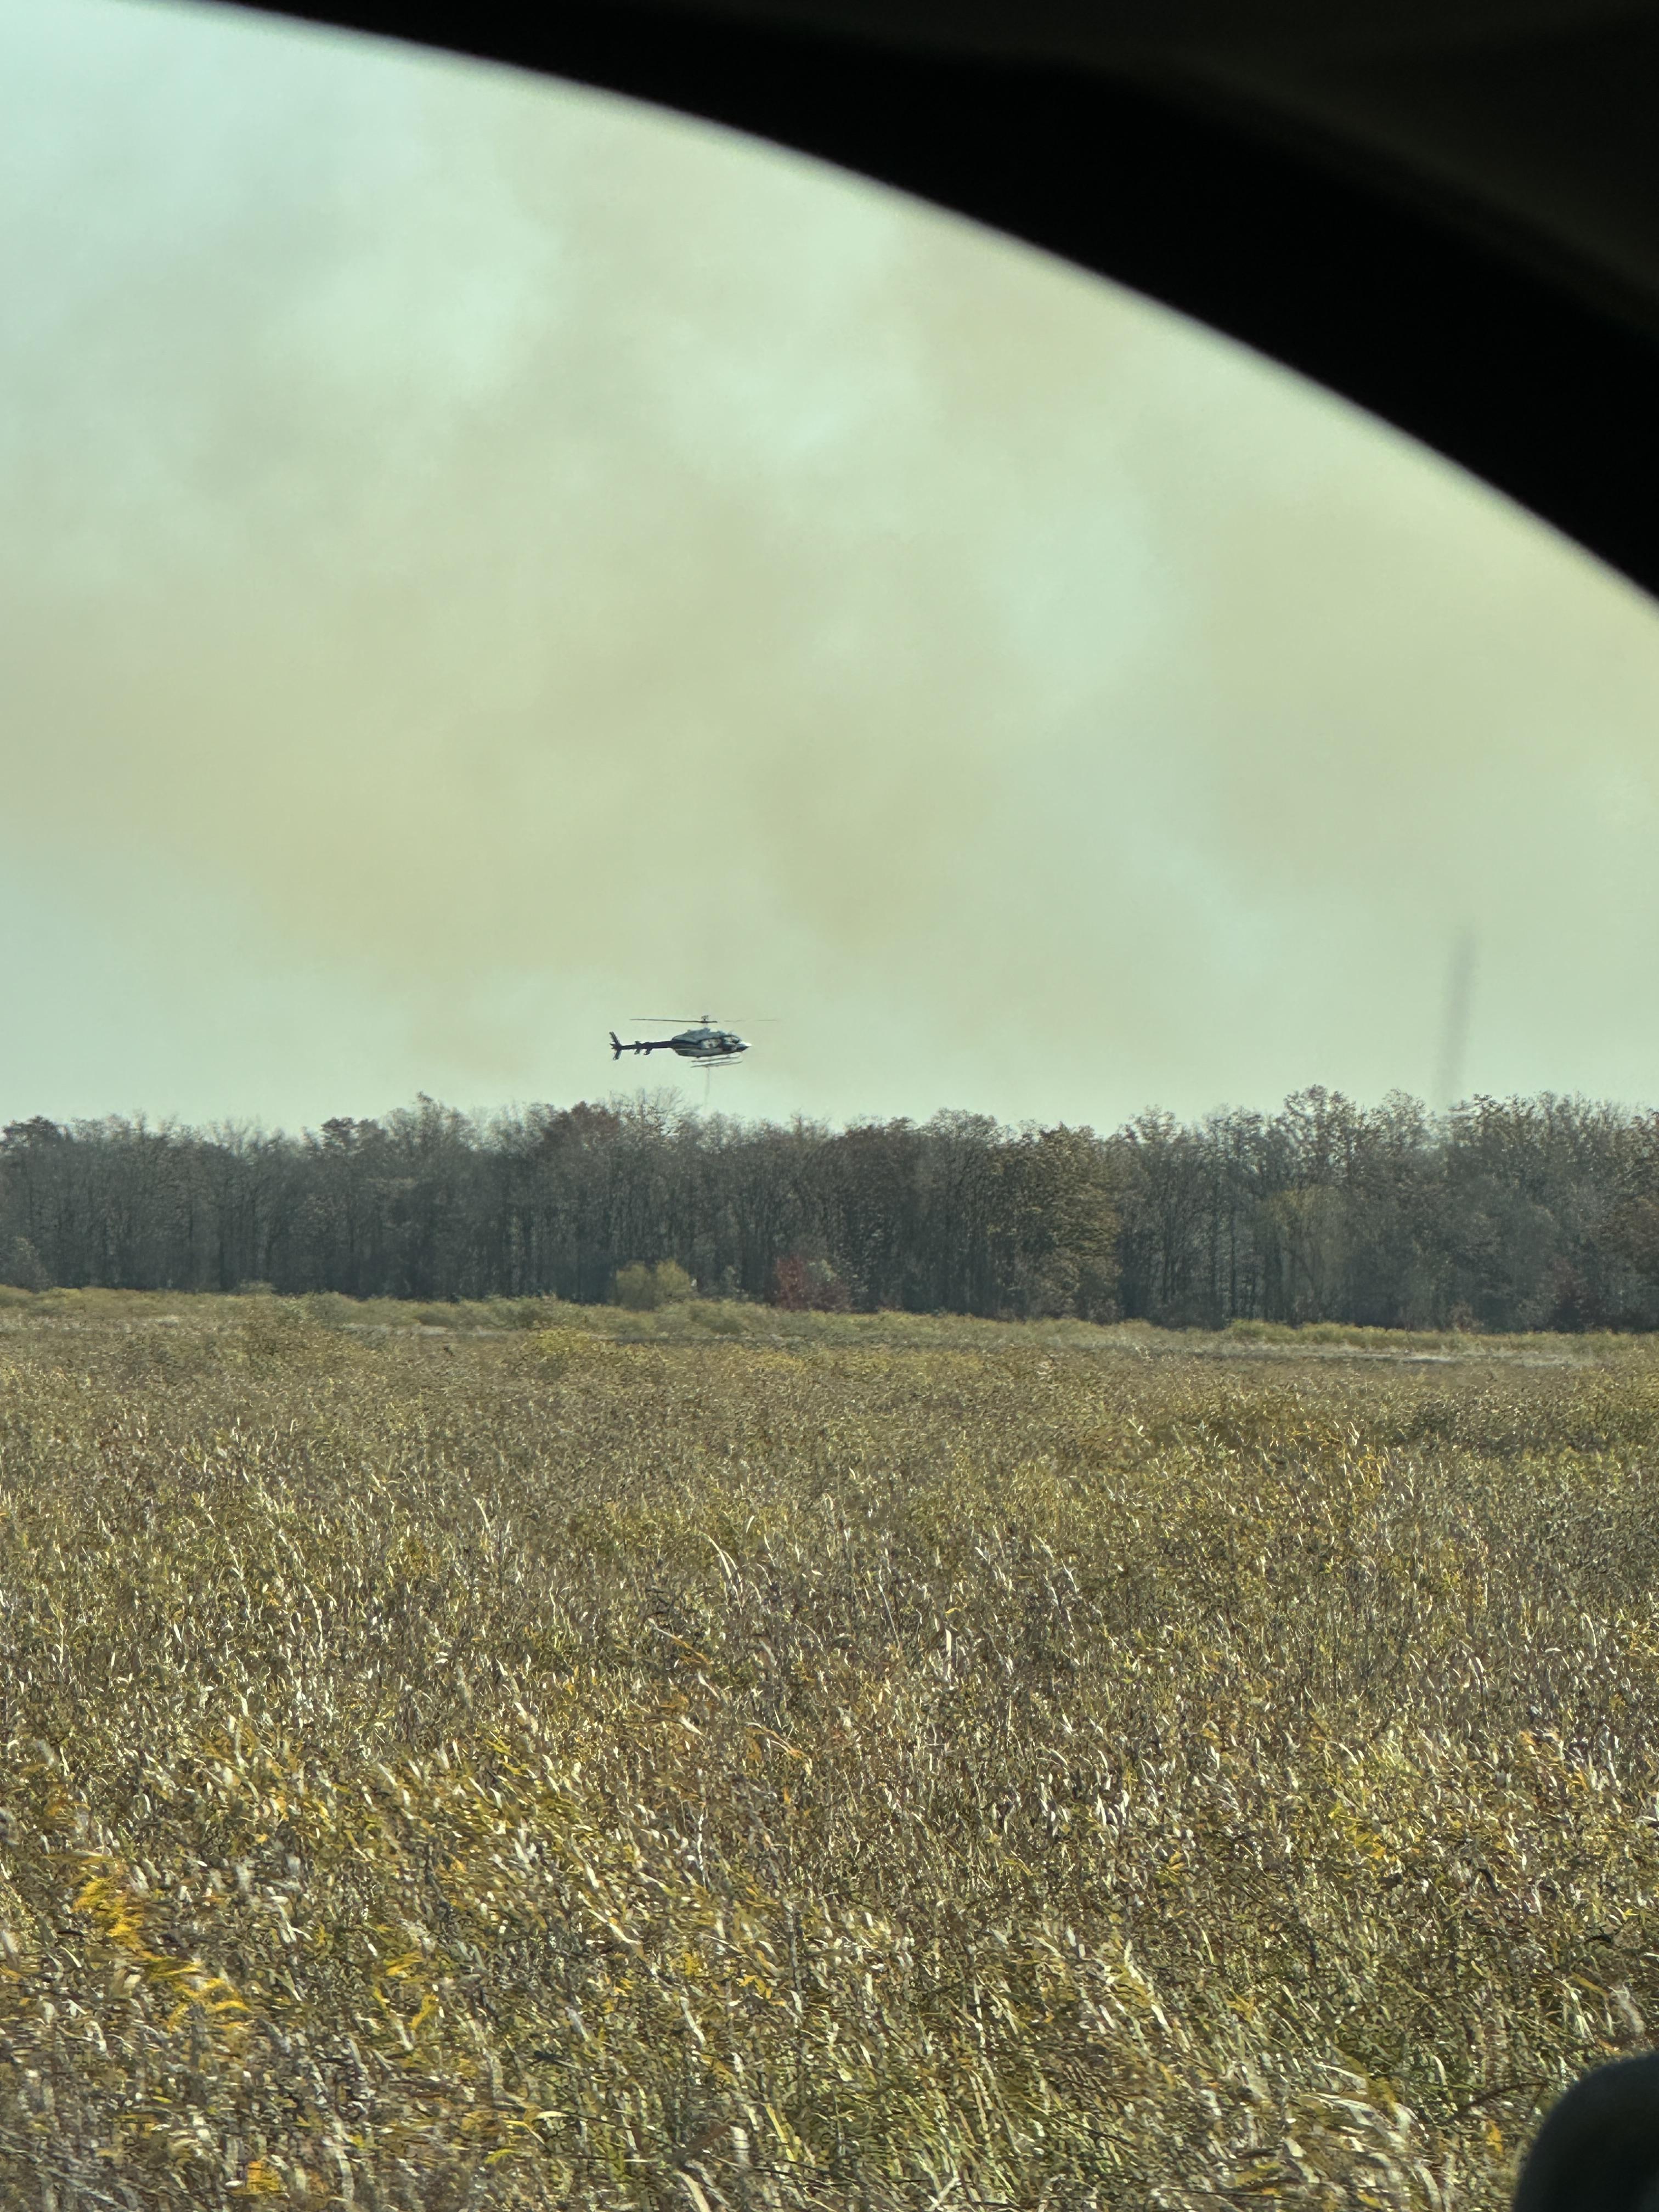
(481, 560)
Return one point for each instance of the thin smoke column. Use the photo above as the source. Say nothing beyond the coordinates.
(1454, 1036)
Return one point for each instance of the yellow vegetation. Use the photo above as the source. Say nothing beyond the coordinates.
(662, 1760)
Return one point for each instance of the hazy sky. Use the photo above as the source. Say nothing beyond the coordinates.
(481, 562)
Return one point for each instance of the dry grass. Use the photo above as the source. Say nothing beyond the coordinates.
(861, 1763)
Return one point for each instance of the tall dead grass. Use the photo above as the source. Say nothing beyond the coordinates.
(998, 1769)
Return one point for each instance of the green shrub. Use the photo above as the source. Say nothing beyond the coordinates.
(642, 1289)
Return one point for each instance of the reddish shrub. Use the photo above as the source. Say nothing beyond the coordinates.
(802, 1286)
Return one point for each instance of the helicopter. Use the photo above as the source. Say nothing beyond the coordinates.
(703, 1042)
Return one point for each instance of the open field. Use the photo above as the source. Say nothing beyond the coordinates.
(554, 1757)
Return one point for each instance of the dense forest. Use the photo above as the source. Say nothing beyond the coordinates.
(1524, 1213)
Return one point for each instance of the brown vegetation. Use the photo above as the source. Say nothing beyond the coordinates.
(867, 1762)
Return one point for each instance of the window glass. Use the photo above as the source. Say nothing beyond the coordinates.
(480, 559)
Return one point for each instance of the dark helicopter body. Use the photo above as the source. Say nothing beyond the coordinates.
(708, 1046)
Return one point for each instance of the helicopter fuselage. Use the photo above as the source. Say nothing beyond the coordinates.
(713, 1048)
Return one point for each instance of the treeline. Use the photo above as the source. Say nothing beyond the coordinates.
(959, 1215)
(1525, 1213)
(1520, 1213)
